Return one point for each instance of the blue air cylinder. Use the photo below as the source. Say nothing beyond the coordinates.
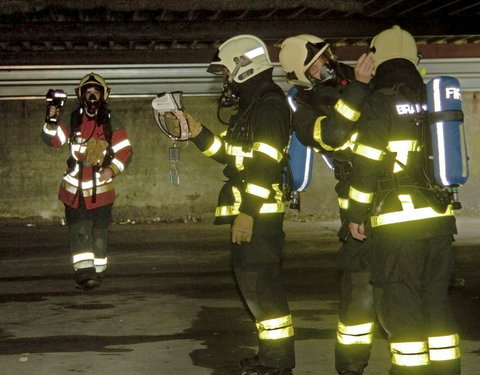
(449, 149)
(301, 163)
(300, 156)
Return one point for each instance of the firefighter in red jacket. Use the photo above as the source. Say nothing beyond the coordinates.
(99, 152)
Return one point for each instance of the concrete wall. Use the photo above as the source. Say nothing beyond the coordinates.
(30, 171)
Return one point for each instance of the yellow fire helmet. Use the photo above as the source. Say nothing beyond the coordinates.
(92, 79)
(394, 43)
(244, 56)
(298, 53)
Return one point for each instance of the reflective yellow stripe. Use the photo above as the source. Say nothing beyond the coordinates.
(443, 341)
(268, 150)
(317, 133)
(271, 208)
(368, 152)
(266, 208)
(358, 329)
(237, 151)
(354, 340)
(275, 323)
(410, 354)
(410, 360)
(357, 334)
(409, 213)
(239, 163)
(273, 329)
(346, 111)
(444, 348)
(360, 196)
(343, 203)
(280, 333)
(402, 148)
(412, 347)
(317, 136)
(214, 147)
(447, 354)
(278, 193)
(259, 191)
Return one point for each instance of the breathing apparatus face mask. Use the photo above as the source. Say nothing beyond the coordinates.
(229, 96)
(92, 99)
(326, 73)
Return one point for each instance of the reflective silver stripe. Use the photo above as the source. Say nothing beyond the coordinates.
(88, 255)
(117, 147)
(268, 150)
(100, 264)
(100, 261)
(48, 131)
(85, 184)
(83, 260)
(360, 196)
(56, 131)
(346, 111)
(118, 164)
(214, 147)
(86, 192)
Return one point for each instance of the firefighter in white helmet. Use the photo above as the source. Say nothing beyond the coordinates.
(99, 152)
(329, 103)
(252, 148)
(412, 222)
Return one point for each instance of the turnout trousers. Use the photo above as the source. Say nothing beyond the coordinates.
(88, 231)
(356, 308)
(258, 272)
(411, 278)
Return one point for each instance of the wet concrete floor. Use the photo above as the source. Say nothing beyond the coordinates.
(169, 305)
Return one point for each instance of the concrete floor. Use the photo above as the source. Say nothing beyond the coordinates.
(169, 304)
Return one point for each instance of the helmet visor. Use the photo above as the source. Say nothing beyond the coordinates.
(314, 50)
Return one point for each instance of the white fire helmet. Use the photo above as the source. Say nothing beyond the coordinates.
(244, 56)
(394, 43)
(298, 53)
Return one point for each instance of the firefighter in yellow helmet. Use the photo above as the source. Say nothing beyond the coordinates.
(252, 150)
(99, 152)
(329, 103)
(412, 223)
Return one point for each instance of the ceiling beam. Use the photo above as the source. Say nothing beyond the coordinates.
(196, 55)
(269, 29)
